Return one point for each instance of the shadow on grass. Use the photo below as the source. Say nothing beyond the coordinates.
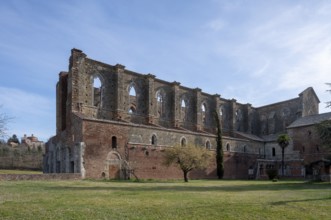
(184, 187)
(302, 200)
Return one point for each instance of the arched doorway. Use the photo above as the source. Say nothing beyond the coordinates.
(113, 164)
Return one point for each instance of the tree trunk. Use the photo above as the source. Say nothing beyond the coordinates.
(185, 176)
(283, 161)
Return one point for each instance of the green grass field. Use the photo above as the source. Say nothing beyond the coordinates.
(198, 199)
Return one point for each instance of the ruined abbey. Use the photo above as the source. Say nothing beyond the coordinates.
(114, 123)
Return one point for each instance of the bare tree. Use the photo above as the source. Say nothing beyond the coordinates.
(4, 119)
(328, 104)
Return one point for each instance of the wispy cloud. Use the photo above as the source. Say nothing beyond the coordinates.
(285, 49)
(30, 112)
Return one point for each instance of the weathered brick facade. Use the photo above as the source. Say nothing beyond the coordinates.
(115, 123)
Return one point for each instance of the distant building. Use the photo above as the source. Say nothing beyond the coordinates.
(32, 142)
(112, 121)
(13, 141)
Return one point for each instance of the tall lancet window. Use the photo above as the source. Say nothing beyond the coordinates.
(97, 91)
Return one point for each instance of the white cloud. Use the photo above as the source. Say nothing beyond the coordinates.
(23, 102)
(216, 25)
(280, 52)
(31, 113)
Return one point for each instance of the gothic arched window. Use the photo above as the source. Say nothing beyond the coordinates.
(203, 112)
(97, 91)
(132, 98)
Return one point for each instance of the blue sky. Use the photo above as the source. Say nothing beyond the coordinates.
(257, 52)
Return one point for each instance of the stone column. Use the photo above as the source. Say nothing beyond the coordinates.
(248, 117)
(216, 108)
(150, 102)
(119, 108)
(197, 109)
(232, 115)
(176, 105)
(74, 80)
(61, 101)
(79, 159)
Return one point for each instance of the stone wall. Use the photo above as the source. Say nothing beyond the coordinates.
(144, 99)
(20, 157)
(57, 176)
(306, 141)
(112, 121)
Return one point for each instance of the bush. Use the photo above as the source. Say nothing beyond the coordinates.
(272, 174)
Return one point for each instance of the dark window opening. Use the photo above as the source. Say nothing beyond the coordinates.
(113, 142)
(72, 166)
(227, 147)
(183, 142)
(58, 166)
(132, 110)
(208, 145)
(154, 140)
(273, 152)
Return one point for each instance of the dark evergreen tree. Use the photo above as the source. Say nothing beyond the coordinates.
(219, 148)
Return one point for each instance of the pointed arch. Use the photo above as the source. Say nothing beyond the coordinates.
(184, 103)
(154, 140)
(132, 94)
(183, 142)
(221, 112)
(132, 90)
(203, 112)
(160, 103)
(208, 145)
(132, 109)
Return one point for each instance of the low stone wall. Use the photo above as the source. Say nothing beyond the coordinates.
(326, 178)
(52, 176)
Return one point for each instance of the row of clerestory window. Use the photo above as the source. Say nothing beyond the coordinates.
(160, 101)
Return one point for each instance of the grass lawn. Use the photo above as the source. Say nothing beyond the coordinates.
(198, 199)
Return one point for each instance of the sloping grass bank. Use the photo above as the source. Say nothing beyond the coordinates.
(199, 199)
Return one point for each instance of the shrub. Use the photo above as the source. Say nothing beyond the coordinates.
(272, 174)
